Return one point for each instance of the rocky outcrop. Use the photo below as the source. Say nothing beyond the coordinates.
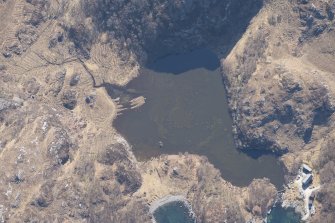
(6, 104)
(31, 86)
(69, 99)
(261, 197)
(115, 153)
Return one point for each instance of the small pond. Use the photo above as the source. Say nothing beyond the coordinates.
(186, 110)
(281, 215)
(173, 212)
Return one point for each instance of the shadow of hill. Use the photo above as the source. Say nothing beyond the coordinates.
(153, 29)
(177, 64)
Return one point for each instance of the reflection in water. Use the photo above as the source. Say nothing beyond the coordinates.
(189, 113)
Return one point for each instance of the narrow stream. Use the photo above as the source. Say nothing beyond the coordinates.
(186, 110)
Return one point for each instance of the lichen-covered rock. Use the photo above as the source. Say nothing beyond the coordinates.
(115, 153)
(45, 197)
(59, 148)
(69, 99)
(74, 79)
(5, 104)
(32, 86)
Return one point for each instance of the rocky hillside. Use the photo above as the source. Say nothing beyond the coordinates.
(279, 76)
(154, 28)
(280, 81)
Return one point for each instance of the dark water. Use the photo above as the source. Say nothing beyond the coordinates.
(174, 212)
(281, 215)
(186, 109)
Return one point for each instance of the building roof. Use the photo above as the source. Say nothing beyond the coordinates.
(307, 168)
(307, 178)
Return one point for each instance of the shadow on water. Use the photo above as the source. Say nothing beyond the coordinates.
(189, 113)
(176, 64)
(257, 153)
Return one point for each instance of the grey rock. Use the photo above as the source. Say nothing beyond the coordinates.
(45, 197)
(18, 101)
(5, 104)
(56, 39)
(17, 178)
(38, 14)
(32, 86)
(69, 99)
(90, 100)
(74, 79)
(27, 36)
(7, 54)
(59, 148)
(115, 153)
(13, 48)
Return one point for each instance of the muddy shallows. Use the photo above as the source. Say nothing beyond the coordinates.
(186, 110)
